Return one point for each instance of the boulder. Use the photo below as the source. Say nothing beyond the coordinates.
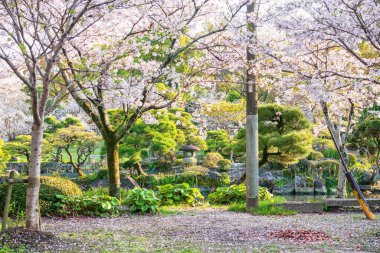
(128, 182)
(284, 190)
(267, 180)
(303, 185)
(320, 187)
(212, 174)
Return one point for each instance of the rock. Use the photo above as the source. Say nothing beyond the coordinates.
(128, 182)
(267, 180)
(304, 185)
(284, 190)
(320, 187)
(214, 174)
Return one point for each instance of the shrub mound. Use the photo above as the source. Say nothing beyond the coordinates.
(224, 164)
(235, 193)
(50, 188)
(179, 194)
(211, 159)
(142, 200)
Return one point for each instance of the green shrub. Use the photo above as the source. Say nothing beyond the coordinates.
(352, 159)
(147, 181)
(235, 193)
(211, 159)
(281, 182)
(179, 194)
(178, 161)
(142, 200)
(99, 191)
(102, 174)
(315, 155)
(331, 153)
(96, 205)
(287, 173)
(224, 164)
(321, 144)
(50, 188)
(329, 168)
(196, 169)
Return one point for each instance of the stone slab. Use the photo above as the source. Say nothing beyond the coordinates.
(303, 207)
(334, 202)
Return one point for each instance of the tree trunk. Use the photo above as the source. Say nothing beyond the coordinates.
(33, 190)
(341, 190)
(79, 171)
(139, 169)
(112, 148)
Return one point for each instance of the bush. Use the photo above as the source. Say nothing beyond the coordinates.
(142, 200)
(196, 169)
(50, 188)
(331, 153)
(102, 174)
(235, 193)
(287, 173)
(178, 161)
(352, 159)
(96, 205)
(315, 155)
(329, 167)
(211, 159)
(179, 194)
(224, 164)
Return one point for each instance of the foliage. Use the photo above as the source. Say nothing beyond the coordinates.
(284, 135)
(4, 156)
(211, 159)
(20, 146)
(53, 124)
(217, 141)
(331, 153)
(196, 169)
(50, 188)
(235, 193)
(142, 200)
(170, 130)
(224, 164)
(76, 142)
(95, 205)
(321, 144)
(315, 155)
(179, 194)
(191, 178)
(366, 134)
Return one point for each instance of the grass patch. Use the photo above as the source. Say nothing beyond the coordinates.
(266, 207)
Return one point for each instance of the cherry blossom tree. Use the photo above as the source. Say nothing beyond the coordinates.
(32, 34)
(145, 63)
(329, 57)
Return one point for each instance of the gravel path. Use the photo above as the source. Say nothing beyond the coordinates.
(214, 230)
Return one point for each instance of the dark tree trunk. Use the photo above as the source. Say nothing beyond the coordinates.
(113, 167)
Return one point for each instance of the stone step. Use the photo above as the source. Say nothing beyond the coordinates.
(334, 202)
(303, 207)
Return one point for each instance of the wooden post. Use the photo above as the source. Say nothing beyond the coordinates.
(7, 201)
(252, 128)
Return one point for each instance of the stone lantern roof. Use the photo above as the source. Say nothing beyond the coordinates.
(189, 148)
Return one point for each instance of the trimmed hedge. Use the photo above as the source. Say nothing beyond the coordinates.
(50, 188)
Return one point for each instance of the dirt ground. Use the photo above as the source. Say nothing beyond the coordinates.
(208, 230)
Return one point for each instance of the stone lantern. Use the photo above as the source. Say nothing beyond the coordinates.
(189, 154)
